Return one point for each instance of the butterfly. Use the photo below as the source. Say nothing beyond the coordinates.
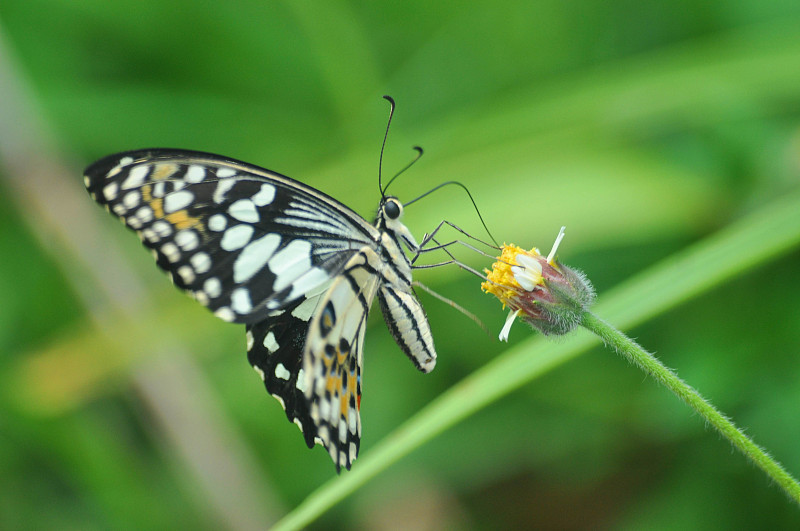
(299, 269)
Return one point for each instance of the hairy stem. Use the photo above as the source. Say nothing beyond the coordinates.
(635, 354)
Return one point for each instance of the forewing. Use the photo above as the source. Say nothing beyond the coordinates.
(244, 241)
(332, 361)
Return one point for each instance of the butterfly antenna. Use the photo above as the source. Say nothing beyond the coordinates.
(383, 146)
(474, 204)
(419, 154)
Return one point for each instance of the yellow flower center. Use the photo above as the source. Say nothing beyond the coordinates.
(501, 281)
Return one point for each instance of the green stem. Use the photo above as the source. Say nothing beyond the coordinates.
(635, 354)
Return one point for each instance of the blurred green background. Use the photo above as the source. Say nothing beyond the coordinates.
(641, 126)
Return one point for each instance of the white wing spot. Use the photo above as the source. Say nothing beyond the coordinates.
(244, 210)
(201, 263)
(186, 273)
(177, 200)
(110, 191)
(225, 172)
(136, 176)
(187, 240)
(150, 235)
(236, 237)
(282, 372)
(201, 297)
(171, 252)
(133, 223)
(225, 314)
(131, 199)
(195, 174)
(145, 214)
(240, 301)
(162, 228)
(159, 189)
(119, 209)
(217, 223)
(124, 161)
(301, 381)
(253, 257)
(265, 195)
(279, 399)
(353, 451)
(213, 287)
(270, 343)
(291, 260)
(222, 189)
(260, 372)
(250, 339)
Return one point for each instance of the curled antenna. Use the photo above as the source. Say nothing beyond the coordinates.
(456, 183)
(385, 136)
(419, 154)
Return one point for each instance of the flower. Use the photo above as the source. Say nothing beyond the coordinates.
(541, 291)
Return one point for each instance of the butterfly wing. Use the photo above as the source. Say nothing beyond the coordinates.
(332, 361)
(275, 350)
(244, 241)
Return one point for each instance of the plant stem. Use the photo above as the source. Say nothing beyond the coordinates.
(635, 354)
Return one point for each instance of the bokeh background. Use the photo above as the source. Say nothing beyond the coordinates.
(641, 126)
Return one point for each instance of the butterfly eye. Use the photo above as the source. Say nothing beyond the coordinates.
(392, 208)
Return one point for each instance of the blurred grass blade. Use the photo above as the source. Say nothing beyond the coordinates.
(752, 241)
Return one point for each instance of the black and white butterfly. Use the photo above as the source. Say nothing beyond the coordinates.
(294, 265)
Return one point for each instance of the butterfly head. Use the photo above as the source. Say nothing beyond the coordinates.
(388, 219)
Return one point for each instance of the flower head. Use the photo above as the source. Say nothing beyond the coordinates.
(542, 292)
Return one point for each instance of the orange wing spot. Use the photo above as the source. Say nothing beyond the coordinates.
(156, 204)
(182, 220)
(163, 171)
(333, 383)
(343, 404)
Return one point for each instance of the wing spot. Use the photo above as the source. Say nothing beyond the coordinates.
(162, 228)
(201, 263)
(213, 287)
(282, 372)
(265, 195)
(186, 273)
(327, 320)
(250, 340)
(195, 174)
(270, 343)
(225, 314)
(177, 200)
(260, 372)
(170, 250)
(222, 188)
(131, 199)
(240, 301)
(254, 257)
(145, 214)
(217, 223)
(244, 210)
(136, 175)
(187, 240)
(110, 191)
(236, 237)
(225, 172)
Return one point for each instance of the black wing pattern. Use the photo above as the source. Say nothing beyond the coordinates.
(244, 241)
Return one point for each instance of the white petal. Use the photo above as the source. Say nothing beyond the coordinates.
(507, 327)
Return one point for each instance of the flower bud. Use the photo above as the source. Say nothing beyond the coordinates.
(542, 292)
